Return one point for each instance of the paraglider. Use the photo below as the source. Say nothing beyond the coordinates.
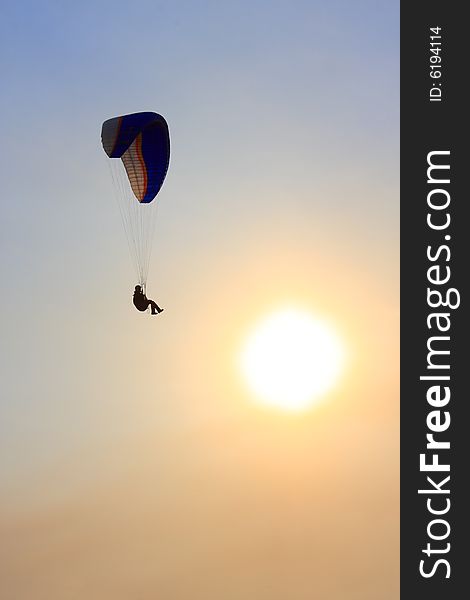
(142, 142)
(141, 302)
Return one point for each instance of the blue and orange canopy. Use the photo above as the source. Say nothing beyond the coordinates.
(142, 142)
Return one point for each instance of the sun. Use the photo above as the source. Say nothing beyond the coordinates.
(292, 359)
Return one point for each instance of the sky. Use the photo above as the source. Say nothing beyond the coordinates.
(134, 461)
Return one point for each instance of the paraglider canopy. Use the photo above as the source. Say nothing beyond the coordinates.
(142, 142)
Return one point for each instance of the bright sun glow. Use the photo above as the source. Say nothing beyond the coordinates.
(292, 359)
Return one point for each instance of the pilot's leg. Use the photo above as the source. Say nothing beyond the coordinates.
(155, 308)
